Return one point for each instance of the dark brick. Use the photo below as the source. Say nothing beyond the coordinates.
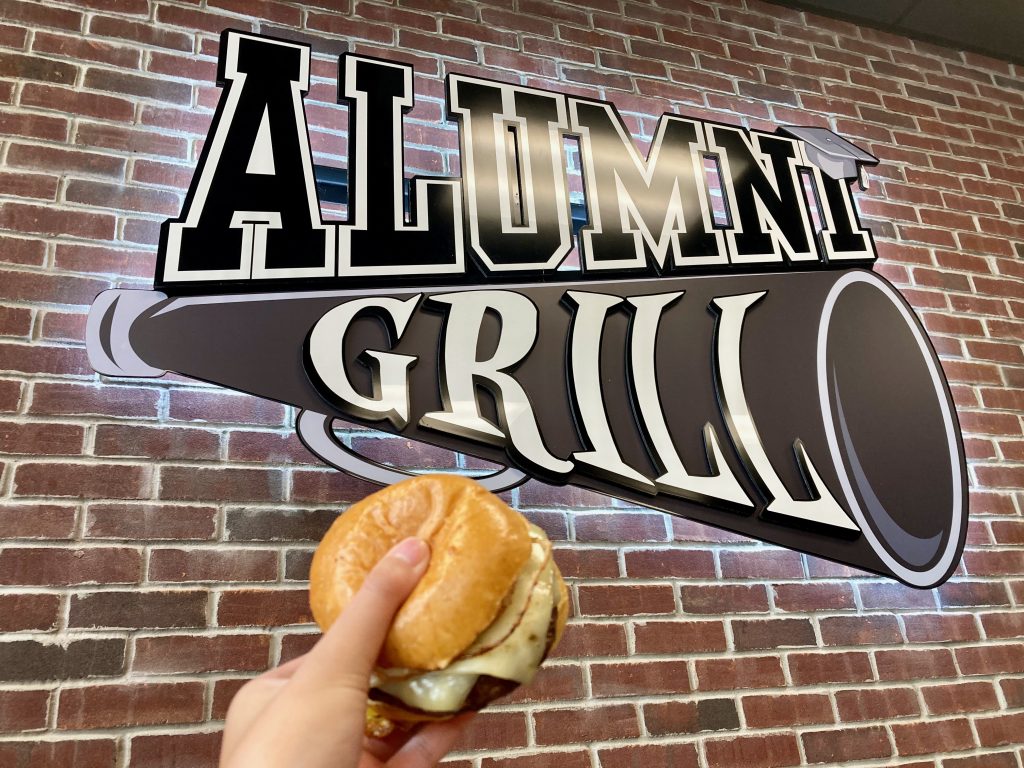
(131, 610)
(278, 524)
(772, 633)
(676, 717)
(24, 660)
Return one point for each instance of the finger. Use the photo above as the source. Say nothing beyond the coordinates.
(286, 670)
(429, 744)
(247, 704)
(352, 644)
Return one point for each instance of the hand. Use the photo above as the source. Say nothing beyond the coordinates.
(311, 712)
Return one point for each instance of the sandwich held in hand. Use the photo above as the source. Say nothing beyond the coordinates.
(490, 608)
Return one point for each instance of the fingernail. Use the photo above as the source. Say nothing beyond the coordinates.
(414, 551)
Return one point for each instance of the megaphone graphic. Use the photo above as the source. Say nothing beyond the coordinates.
(806, 409)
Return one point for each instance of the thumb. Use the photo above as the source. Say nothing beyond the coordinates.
(353, 642)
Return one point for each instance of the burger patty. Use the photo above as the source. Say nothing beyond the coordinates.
(486, 689)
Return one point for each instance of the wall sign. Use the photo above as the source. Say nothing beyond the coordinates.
(743, 368)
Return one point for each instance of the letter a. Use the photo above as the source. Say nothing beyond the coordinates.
(252, 211)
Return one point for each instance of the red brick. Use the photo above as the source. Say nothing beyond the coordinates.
(922, 738)
(36, 521)
(616, 721)
(959, 594)
(739, 673)
(20, 612)
(991, 659)
(552, 683)
(83, 481)
(690, 530)
(29, 185)
(1013, 691)
(589, 640)
(723, 598)
(139, 32)
(761, 751)
(915, 664)
(35, 287)
(537, 494)
(892, 595)
(63, 326)
(812, 596)
(81, 400)
(679, 637)
(494, 730)
(156, 442)
(554, 524)
(21, 251)
(195, 750)
(404, 453)
(958, 698)
(41, 439)
(195, 405)
(51, 566)
(26, 67)
(860, 630)
(817, 668)
(77, 47)
(847, 744)
(102, 260)
(296, 644)
(988, 760)
(53, 221)
(332, 487)
(115, 706)
(34, 126)
(625, 600)
(203, 564)
(83, 103)
(169, 654)
(772, 564)
(10, 394)
(123, 139)
(778, 710)
(877, 704)
(670, 563)
(122, 197)
(577, 759)
(263, 608)
(224, 690)
(587, 563)
(620, 527)
(639, 679)
(96, 753)
(1003, 625)
(144, 522)
(23, 711)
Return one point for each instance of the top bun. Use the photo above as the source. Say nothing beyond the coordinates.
(478, 546)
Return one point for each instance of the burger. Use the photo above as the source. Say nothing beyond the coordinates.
(489, 609)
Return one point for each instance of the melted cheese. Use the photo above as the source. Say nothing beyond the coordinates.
(517, 601)
(519, 631)
(432, 691)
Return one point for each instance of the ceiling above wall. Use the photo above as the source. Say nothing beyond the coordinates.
(992, 27)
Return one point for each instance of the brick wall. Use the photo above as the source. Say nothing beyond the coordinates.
(155, 535)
